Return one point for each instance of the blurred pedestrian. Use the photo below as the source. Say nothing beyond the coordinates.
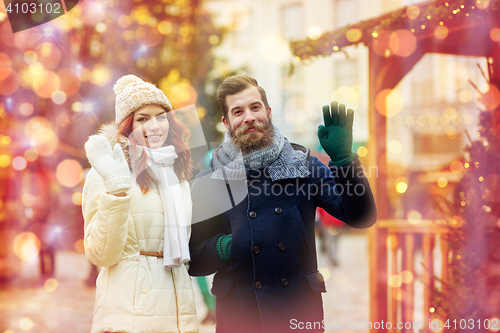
(329, 229)
(137, 212)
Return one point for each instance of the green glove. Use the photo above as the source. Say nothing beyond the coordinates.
(223, 246)
(336, 136)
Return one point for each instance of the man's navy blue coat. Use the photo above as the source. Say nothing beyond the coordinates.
(272, 283)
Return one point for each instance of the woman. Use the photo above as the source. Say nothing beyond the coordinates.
(137, 212)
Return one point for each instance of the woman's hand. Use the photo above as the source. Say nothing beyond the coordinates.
(109, 164)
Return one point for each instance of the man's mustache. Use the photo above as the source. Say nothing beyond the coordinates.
(243, 129)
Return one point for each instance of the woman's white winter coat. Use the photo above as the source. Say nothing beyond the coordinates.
(135, 293)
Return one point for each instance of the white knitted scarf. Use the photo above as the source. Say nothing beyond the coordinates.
(175, 242)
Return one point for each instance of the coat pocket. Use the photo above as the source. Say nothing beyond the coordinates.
(221, 285)
(316, 281)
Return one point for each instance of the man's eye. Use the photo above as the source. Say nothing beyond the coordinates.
(237, 111)
(256, 107)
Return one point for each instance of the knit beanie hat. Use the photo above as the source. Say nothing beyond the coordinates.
(132, 93)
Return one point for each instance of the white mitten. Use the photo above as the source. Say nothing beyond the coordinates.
(110, 165)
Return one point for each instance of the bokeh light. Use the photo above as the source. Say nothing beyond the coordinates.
(5, 66)
(482, 4)
(49, 55)
(59, 97)
(79, 245)
(314, 32)
(148, 36)
(414, 217)
(28, 199)
(406, 276)
(456, 167)
(76, 198)
(398, 295)
(465, 96)
(235, 16)
(50, 285)
(441, 32)
(40, 133)
(392, 241)
(401, 184)
(456, 221)
(165, 27)
(26, 109)
(353, 35)
(395, 281)
(180, 91)
(9, 84)
(19, 163)
(450, 113)
(26, 246)
(26, 324)
(491, 98)
(412, 12)
(403, 43)
(389, 102)
(381, 43)
(4, 160)
(395, 146)
(442, 182)
(325, 272)
(274, 49)
(30, 57)
(348, 95)
(70, 83)
(46, 84)
(495, 34)
(69, 173)
(436, 325)
(101, 75)
(77, 106)
(362, 151)
(493, 327)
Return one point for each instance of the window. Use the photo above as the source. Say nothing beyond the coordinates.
(346, 73)
(435, 144)
(346, 12)
(293, 22)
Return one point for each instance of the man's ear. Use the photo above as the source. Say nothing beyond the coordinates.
(226, 122)
(270, 113)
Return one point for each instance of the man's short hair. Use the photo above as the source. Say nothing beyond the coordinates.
(235, 84)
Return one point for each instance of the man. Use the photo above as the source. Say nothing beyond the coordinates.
(255, 206)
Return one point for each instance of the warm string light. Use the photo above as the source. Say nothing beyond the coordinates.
(432, 13)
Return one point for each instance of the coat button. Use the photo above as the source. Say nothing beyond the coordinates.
(281, 246)
(249, 183)
(256, 249)
(284, 282)
(252, 214)
(144, 291)
(258, 285)
(278, 210)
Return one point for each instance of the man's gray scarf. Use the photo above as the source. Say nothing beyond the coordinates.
(283, 161)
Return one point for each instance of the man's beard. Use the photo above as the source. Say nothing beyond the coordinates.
(263, 136)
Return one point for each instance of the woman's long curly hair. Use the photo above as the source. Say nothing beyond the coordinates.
(178, 135)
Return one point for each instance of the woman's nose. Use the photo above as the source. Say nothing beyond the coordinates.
(152, 124)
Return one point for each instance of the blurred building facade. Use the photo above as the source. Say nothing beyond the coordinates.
(430, 108)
